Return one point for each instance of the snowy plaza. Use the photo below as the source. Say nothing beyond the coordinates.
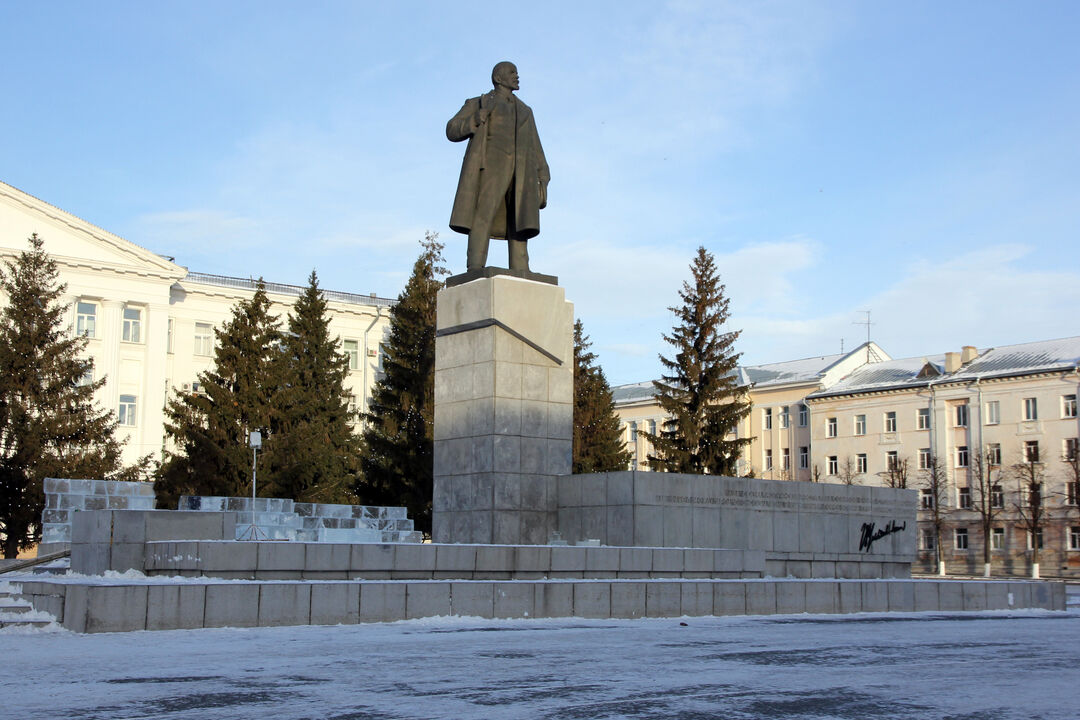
(998, 665)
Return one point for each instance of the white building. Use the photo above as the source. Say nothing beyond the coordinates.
(150, 322)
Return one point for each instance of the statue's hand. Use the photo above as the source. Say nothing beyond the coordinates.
(543, 195)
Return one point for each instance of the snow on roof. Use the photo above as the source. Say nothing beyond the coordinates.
(634, 392)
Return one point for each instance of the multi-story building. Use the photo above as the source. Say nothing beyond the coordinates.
(1009, 411)
(150, 323)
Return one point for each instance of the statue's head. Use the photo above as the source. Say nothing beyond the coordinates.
(505, 74)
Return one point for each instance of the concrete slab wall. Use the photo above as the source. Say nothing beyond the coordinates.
(120, 608)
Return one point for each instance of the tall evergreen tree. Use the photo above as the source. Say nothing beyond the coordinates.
(397, 458)
(315, 454)
(598, 444)
(49, 423)
(699, 391)
(211, 428)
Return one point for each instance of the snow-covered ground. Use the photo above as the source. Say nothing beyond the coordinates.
(993, 665)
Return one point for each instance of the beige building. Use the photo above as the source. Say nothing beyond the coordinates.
(850, 418)
(151, 323)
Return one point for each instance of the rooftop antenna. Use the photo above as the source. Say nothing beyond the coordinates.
(867, 323)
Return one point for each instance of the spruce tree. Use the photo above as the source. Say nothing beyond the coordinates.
(699, 391)
(315, 454)
(210, 429)
(50, 425)
(598, 444)
(398, 442)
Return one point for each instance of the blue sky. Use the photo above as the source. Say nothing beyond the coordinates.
(917, 159)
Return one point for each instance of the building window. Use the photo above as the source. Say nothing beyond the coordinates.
(132, 330)
(1068, 406)
(352, 405)
(923, 418)
(804, 457)
(860, 463)
(1074, 538)
(963, 498)
(768, 459)
(830, 427)
(1071, 493)
(633, 432)
(997, 497)
(204, 339)
(1032, 495)
(1038, 539)
(126, 410)
(961, 536)
(1031, 451)
(87, 378)
(1031, 409)
(997, 539)
(892, 460)
(834, 465)
(860, 424)
(924, 458)
(785, 459)
(351, 348)
(767, 418)
(926, 499)
(993, 454)
(785, 417)
(926, 539)
(1069, 448)
(652, 427)
(804, 415)
(962, 415)
(993, 412)
(86, 319)
(890, 422)
(961, 456)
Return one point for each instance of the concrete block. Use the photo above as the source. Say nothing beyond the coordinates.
(472, 599)
(326, 561)
(129, 526)
(506, 527)
(553, 600)
(232, 605)
(627, 599)
(424, 599)
(706, 527)
(91, 526)
(901, 596)
(849, 596)
(950, 594)
(592, 599)
(601, 559)
(89, 558)
(997, 596)
(75, 606)
(594, 524)
(593, 489)
(875, 597)
(776, 567)
(1021, 594)
(620, 488)
(494, 558)
(799, 569)
(785, 527)
(335, 603)
(760, 525)
(698, 562)
(620, 525)
(635, 562)
(678, 526)
(569, 523)
(822, 597)
(811, 532)
(280, 556)
(418, 558)
(847, 570)
(284, 604)
(1041, 596)
(790, 597)
(382, 602)
(870, 570)
(761, 598)
(754, 561)
(455, 558)
(823, 569)
(569, 491)
(514, 600)
(697, 598)
(727, 561)
(663, 599)
(729, 598)
(507, 492)
(649, 526)
(235, 556)
(974, 594)
(568, 559)
(176, 525)
(532, 562)
(127, 556)
(667, 562)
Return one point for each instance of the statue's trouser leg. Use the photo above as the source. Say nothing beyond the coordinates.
(495, 180)
(519, 254)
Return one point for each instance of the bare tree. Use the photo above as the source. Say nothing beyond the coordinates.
(987, 496)
(815, 474)
(847, 472)
(1031, 504)
(1071, 471)
(896, 473)
(934, 485)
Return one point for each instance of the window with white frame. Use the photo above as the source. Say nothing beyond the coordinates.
(804, 457)
(767, 418)
(785, 458)
(963, 498)
(86, 319)
(651, 427)
(997, 497)
(997, 538)
(993, 454)
(804, 415)
(993, 412)
(924, 458)
(1074, 538)
(1068, 406)
(1038, 537)
(132, 329)
(127, 410)
(892, 460)
(785, 417)
(1031, 451)
(860, 463)
(768, 459)
(926, 499)
(890, 421)
(927, 540)
(1072, 493)
(860, 424)
(833, 465)
(830, 427)
(1032, 494)
(961, 456)
(922, 418)
(961, 415)
(960, 539)
(1031, 408)
(351, 348)
(204, 339)
(633, 432)
(87, 378)
(1070, 446)
(352, 408)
